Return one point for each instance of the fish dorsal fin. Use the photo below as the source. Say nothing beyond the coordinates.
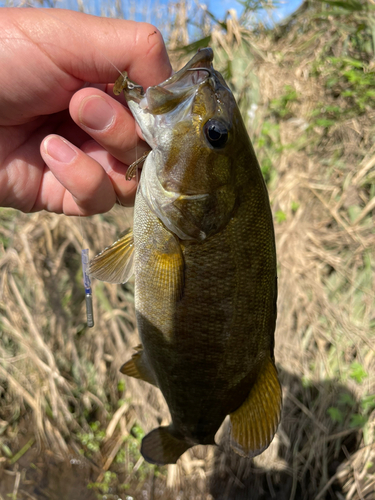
(115, 263)
(161, 447)
(138, 367)
(255, 422)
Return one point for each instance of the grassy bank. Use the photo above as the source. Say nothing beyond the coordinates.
(71, 424)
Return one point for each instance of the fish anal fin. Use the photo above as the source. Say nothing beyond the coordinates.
(137, 367)
(255, 422)
(115, 263)
(161, 447)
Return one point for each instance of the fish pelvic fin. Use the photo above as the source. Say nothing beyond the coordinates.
(161, 447)
(115, 263)
(138, 367)
(254, 423)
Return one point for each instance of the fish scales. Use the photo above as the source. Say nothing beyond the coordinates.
(205, 267)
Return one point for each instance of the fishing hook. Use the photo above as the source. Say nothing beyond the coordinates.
(209, 71)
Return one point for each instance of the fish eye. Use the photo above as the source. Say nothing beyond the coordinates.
(216, 133)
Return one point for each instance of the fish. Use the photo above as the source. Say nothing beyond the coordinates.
(202, 250)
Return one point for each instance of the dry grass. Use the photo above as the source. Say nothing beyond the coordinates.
(57, 378)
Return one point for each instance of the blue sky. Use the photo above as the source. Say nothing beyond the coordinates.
(158, 11)
(288, 7)
(284, 7)
(217, 7)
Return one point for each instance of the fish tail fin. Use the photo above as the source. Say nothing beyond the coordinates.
(161, 447)
(255, 422)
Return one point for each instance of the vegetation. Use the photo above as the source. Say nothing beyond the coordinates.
(71, 424)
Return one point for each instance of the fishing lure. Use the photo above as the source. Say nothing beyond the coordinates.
(88, 290)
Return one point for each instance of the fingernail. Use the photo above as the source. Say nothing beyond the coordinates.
(60, 150)
(96, 113)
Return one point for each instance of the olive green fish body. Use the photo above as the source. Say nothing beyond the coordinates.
(208, 345)
(205, 268)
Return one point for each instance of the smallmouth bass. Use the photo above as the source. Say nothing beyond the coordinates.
(203, 254)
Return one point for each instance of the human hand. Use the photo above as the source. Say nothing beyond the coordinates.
(46, 58)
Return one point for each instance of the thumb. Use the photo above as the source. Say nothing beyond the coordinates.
(60, 49)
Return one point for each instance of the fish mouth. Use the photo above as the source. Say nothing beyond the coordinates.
(182, 85)
(194, 72)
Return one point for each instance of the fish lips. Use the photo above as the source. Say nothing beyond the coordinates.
(181, 86)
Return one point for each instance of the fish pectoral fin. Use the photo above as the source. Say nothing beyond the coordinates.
(167, 267)
(255, 422)
(161, 447)
(137, 367)
(115, 263)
